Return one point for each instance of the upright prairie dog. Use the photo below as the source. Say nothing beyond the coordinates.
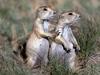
(37, 46)
(65, 36)
(66, 20)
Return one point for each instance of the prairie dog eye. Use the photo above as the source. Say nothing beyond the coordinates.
(45, 9)
(70, 13)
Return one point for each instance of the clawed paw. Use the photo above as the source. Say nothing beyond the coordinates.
(77, 48)
(67, 50)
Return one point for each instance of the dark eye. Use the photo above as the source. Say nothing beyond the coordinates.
(70, 13)
(45, 9)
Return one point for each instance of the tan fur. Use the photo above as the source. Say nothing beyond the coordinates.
(37, 46)
(67, 19)
(66, 37)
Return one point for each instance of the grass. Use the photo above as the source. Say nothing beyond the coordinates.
(18, 14)
(89, 31)
(8, 66)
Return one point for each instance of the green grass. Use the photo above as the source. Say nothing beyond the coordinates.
(8, 65)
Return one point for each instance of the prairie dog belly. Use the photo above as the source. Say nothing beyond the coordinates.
(37, 47)
(57, 51)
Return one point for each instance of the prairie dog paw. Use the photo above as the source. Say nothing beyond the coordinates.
(57, 39)
(77, 48)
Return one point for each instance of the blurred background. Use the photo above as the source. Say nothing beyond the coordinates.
(16, 20)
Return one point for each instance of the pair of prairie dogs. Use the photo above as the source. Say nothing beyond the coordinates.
(45, 28)
(45, 31)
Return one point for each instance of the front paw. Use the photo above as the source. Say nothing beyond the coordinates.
(53, 36)
(77, 48)
(57, 39)
(67, 50)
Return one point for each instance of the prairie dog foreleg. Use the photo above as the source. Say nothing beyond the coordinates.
(73, 40)
(67, 45)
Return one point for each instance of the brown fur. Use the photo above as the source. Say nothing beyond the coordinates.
(66, 37)
(37, 46)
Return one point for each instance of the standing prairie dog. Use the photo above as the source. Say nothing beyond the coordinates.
(66, 20)
(37, 46)
(66, 37)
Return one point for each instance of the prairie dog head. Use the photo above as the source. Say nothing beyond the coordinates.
(45, 12)
(69, 17)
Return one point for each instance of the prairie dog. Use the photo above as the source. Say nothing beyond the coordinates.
(37, 46)
(66, 37)
(66, 20)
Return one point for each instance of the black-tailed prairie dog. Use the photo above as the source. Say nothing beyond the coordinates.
(37, 45)
(66, 36)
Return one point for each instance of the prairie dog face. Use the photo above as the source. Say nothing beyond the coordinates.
(45, 12)
(69, 17)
